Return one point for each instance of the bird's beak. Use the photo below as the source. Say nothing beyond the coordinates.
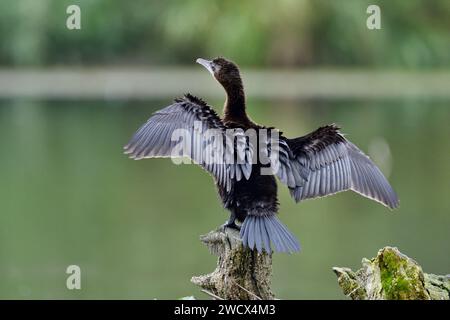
(207, 64)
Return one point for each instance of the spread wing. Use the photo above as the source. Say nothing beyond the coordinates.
(327, 163)
(189, 127)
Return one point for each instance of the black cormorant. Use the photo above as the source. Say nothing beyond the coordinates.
(315, 165)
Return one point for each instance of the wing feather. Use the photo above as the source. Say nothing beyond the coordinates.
(333, 164)
(155, 139)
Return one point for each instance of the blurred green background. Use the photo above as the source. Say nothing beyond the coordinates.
(69, 196)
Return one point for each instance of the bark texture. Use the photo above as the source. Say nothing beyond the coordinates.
(241, 274)
(391, 275)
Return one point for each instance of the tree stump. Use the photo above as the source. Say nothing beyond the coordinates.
(391, 275)
(241, 273)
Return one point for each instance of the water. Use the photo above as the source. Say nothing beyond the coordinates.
(69, 196)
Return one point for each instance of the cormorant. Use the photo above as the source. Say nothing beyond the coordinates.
(320, 163)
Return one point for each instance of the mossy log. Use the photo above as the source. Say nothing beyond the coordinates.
(392, 275)
(241, 274)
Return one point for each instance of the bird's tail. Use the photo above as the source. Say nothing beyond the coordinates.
(260, 231)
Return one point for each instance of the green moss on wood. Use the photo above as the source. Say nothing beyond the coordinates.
(401, 277)
(394, 276)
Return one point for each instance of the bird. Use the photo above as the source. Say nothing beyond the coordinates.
(315, 165)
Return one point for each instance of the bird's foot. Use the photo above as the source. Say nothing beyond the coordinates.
(231, 225)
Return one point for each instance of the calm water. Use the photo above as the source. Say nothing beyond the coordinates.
(69, 196)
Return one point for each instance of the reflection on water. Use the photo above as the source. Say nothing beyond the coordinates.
(69, 196)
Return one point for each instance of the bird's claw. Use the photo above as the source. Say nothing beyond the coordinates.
(231, 225)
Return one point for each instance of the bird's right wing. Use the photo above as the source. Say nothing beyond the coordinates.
(189, 127)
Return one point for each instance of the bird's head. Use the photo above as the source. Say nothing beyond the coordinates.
(223, 70)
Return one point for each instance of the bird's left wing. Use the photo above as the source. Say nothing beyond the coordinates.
(328, 163)
(194, 119)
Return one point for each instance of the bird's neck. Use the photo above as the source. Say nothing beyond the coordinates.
(234, 109)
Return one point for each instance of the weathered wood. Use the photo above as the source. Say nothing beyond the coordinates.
(392, 275)
(241, 274)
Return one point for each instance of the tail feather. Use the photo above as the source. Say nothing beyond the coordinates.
(258, 238)
(288, 241)
(276, 239)
(265, 235)
(251, 234)
(260, 231)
